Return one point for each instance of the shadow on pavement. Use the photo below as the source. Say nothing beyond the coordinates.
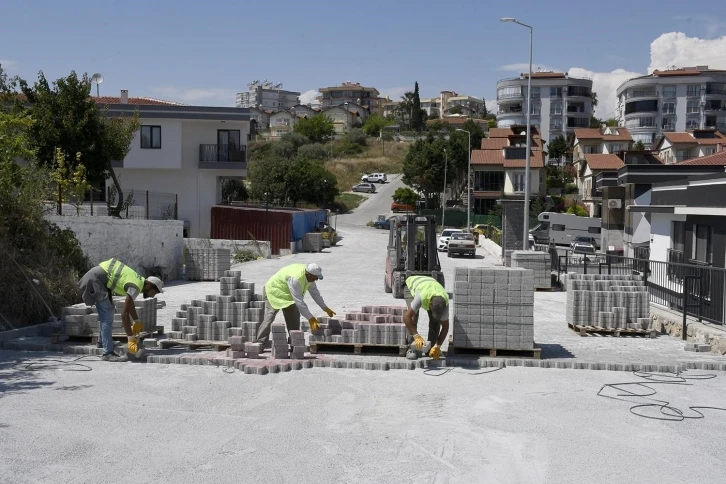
(554, 350)
(15, 379)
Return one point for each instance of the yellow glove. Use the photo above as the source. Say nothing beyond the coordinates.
(330, 312)
(435, 352)
(418, 341)
(313, 324)
(133, 346)
(137, 327)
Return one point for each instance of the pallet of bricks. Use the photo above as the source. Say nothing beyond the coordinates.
(493, 312)
(312, 242)
(235, 312)
(536, 261)
(608, 304)
(207, 264)
(372, 329)
(82, 320)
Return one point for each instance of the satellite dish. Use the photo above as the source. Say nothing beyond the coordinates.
(97, 79)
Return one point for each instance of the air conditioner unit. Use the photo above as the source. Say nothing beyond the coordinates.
(614, 203)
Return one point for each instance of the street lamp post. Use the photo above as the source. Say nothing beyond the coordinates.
(446, 168)
(468, 183)
(267, 224)
(529, 111)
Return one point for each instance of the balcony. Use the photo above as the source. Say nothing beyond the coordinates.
(225, 157)
(637, 93)
(508, 111)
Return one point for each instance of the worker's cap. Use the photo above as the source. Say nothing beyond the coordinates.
(157, 282)
(439, 308)
(315, 270)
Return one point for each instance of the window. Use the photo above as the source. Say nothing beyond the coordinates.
(535, 93)
(518, 180)
(488, 181)
(669, 108)
(535, 109)
(228, 145)
(669, 91)
(702, 250)
(594, 230)
(641, 106)
(692, 123)
(615, 148)
(648, 122)
(590, 149)
(693, 90)
(669, 124)
(151, 137)
(558, 227)
(709, 151)
(555, 124)
(556, 92)
(581, 91)
(692, 107)
(556, 109)
(508, 92)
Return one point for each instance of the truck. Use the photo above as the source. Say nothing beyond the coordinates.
(563, 228)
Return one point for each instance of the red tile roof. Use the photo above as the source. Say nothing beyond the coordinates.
(588, 133)
(681, 138)
(494, 143)
(598, 133)
(510, 131)
(717, 159)
(496, 158)
(544, 75)
(603, 162)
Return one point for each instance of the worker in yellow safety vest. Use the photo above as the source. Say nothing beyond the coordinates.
(426, 292)
(285, 291)
(114, 278)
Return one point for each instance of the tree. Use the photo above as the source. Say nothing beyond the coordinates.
(593, 97)
(639, 146)
(300, 180)
(595, 122)
(577, 209)
(612, 122)
(416, 118)
(318, 128)
(72, 185)
(66, 117)
(406, 196)
(404, 109)
(484, 112)
(423, 167)
(557, 148)
(375, 124)
(492, 123)
(456, 110)
(234, 190)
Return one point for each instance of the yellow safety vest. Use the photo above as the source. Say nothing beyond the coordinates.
(276, 290)
(427, 287)
(120, 276)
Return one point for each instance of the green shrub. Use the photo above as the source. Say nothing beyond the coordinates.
(295, 139)
(571, 189)
(314, 151)
(284, 149)
(243, 255)
(357, 136)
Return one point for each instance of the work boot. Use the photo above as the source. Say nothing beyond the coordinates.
(113, 357)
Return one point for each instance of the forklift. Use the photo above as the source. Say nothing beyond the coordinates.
(411, 251)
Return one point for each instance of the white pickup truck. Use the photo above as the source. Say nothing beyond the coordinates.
(374, 178)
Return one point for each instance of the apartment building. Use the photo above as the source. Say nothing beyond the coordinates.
(267, 96)
(672, 100)
(560, 103)
(677, 147)
(448, 103)
(499, 167)
(353, 93)
(183, 150)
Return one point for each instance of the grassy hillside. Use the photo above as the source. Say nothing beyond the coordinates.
(349, 168)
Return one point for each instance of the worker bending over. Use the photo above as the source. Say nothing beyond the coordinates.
(285, 291)
(100, 284)
(426, 292)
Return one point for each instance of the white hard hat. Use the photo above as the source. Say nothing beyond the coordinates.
(157, 282)
(315, 270)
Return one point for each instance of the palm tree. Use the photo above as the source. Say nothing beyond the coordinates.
(405, 106)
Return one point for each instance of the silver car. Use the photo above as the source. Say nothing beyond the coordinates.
(365, 187)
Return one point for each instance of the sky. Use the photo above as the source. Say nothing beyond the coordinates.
(203, 53)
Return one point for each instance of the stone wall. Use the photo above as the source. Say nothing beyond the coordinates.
(671, 322)
(137, 243)
(258, 247)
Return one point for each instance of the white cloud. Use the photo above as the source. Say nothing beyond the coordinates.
(604, 84)
(676, 48)
(524, 67)
(7, 63)
(196, 96)
(491, 105)
(309, 96)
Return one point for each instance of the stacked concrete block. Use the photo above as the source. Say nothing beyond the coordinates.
(278, 337)
(494, 308)
(236, 347)
(312, 242)
(608, 301)
(538, 262)
(236, 312)
(373, 325)
(207, 264)
(253, 350)
(82, 320)
(297, 343)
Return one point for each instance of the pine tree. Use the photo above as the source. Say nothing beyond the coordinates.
(416, 119)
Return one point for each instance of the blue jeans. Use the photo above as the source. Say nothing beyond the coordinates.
(106, 311)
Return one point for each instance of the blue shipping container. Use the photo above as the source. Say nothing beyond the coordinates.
(305, 221)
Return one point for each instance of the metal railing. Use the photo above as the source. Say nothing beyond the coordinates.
(222, 153)
(136, 204)
(696, 287)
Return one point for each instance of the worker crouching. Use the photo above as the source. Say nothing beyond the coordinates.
(426, 292)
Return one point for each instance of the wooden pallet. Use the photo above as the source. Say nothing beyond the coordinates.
(535, 353)
(586, 330)
(165, 344)
(544, 289)
(93, 338)
(357, 348)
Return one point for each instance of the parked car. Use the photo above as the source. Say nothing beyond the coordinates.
(462, 243)
(585, 239)
(365, 187)
(382, 223)
(402, 207)
(374, 178)
(443, 244)
(584, 250)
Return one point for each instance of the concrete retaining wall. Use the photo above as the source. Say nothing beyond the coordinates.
(258, 247)
(491, 248)
(138, 243)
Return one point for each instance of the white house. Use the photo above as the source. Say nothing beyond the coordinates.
(282, 122)
(677, 147)
(347, 116)
(184, 150)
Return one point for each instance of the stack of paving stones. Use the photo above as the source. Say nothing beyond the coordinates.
(297, 343)
(494, 308)
(608, 301)
(537, 261)
(236, 311)
(207, 264)
(312, 242)
(278, 336)
(82, 320)
(372, 325)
